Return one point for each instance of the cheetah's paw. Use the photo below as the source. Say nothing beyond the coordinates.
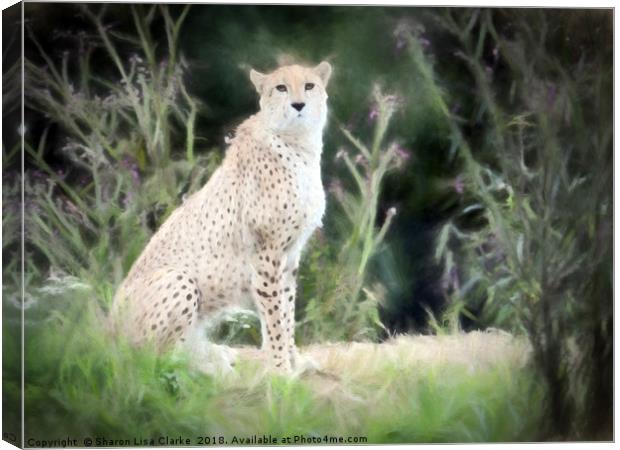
(304, 364)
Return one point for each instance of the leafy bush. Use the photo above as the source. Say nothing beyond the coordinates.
(120, 178)
(536, 259)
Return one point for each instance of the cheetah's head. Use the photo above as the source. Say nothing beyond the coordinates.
(293, 98)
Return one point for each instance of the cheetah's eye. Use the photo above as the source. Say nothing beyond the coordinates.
(281, 88)
(309, 86)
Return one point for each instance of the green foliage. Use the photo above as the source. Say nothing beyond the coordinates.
(235, 327)
(120, 179)
(543, 201)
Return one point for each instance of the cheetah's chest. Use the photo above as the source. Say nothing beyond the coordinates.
(311, 196)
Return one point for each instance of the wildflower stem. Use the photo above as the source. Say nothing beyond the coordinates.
(361, 147)
(70, 192)
(361, 184)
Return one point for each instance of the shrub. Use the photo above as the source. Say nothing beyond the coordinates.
(537, 257)
(120, 177)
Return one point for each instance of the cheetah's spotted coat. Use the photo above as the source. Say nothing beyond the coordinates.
(242, 234)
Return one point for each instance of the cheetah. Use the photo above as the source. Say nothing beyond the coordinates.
(240, 237)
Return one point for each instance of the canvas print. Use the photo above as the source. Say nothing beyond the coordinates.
(306, 224)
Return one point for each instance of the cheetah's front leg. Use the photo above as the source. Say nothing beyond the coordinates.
(299, 363)
(290, 295)
(268, 290)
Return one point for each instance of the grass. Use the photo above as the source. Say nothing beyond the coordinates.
(474, 387)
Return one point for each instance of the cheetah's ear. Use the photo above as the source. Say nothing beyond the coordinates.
(324, 71)
(257, 79)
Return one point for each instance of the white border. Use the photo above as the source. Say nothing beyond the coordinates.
(457, 3)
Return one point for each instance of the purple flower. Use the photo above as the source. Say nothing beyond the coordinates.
(459, 185)
(402, 153)
(135, 174)
(127, 199)
(361, 160)
(373, 114)
(61, 174)
(38, 175)
(335, 188)
(406, 29)
(133, 169)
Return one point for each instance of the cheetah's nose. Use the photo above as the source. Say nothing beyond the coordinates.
(298, 106)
